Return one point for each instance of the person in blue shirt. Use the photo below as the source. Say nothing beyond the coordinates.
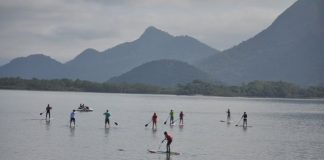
(72, 118)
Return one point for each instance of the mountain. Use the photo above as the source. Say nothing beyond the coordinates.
(37, 65)
(93, 65)
(290, 49)
(153, 44)
(162, 73)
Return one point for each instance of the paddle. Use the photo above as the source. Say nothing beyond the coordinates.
(165, 122)
(148, 123)
(239, 121)
(161, 144)
(41, 113)
(175, 120)
(116, 123)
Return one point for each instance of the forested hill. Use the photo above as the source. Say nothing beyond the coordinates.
(253, 89)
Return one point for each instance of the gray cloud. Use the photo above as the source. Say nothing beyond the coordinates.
(63, 28)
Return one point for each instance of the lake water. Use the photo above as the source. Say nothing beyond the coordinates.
(282, 129)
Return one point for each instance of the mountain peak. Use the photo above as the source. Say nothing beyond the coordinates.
(152, 33)
(88, 53)
(38, 55)
(290, 49)
(33, 57)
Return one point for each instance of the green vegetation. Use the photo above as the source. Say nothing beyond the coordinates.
(197, 87)
(252, 89)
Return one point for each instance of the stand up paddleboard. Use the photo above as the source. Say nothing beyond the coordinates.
(243, 126)
(226, 121)
(162, 152)
(42, 119)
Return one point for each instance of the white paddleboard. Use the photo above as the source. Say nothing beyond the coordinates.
(42, 119)
(226, 121)
(242, 126)
(163, 152)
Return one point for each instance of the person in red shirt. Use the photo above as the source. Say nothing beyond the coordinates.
(181, 117)
(169, 141)
(154, 120)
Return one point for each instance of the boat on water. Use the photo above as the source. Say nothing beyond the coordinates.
(83, 108)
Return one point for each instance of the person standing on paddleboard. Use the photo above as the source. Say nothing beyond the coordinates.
(169, 141)
(154, 120)
(107, 115)
(171, 117)
(228, 115)
(48, 111)
(72, 118)
(244, 116)
(181, 117)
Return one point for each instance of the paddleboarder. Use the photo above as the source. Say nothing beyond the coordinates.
(228, 115)
(171, 117)
(72, 118)
(168, 137)
(181, 117)
(244, 116)
(48, 111)
(154, 120)
(107, 115)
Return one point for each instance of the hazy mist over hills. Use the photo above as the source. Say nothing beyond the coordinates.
(153, 44)
(92, 65)
(37, 65)
(291, 49)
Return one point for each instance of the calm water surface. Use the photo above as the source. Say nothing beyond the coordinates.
(282, 129)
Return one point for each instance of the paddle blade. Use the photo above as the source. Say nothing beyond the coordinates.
(165, 122)
(40, 113)
(146, 125)
(116, 123)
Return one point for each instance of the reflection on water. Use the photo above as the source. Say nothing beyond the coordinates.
(106, 132)
(154, 131)
(181, 127)
(72, 131)
(48, 124)
(281, 129)
(168, 156)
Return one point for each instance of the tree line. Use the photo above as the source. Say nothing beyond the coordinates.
(253, 89)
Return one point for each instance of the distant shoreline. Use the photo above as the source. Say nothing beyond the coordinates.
(206, 96)
(255, 89)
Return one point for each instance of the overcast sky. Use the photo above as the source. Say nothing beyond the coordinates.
(62, 29)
